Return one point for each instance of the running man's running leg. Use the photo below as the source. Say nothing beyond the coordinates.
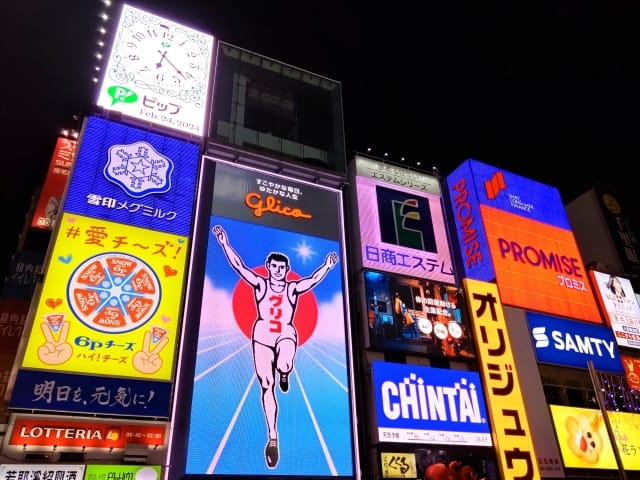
(285, 353)
(264, 363)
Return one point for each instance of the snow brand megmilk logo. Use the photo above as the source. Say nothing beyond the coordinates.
(139, 169)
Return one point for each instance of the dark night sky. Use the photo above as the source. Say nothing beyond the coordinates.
(546, 89)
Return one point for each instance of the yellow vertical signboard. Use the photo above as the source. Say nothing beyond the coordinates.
(110, 303)
(509, 423)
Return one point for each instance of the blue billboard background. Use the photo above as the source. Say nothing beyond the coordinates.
(459, 397)
(571, 343)
(134, 177)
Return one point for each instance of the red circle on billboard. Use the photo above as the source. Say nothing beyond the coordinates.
(243, 303)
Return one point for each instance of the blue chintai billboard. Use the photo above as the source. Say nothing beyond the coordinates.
(416, 404)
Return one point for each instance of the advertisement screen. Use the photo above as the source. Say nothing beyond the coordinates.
(110, 303)
(621, 307)
(585, 442)
(515, 231)
(572, 344)
(54, 184)
(111, 299)
(632, 371)
(33, 471)
(417, 316)
(272, 352)
(133, 472)
(509, 420)
(401, 222)
(416, 404)
(398, 465)
(132, 176)
(158, 72)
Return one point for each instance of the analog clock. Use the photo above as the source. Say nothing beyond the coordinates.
(158, 70)
(161, 56)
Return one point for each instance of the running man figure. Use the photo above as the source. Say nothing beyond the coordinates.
(274, 337)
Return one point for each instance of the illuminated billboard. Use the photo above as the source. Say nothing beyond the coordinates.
(158, 72)
(621, 307)
(572, 344)
(437, 462)
(133, 176)
(585, 442)
(272, 346)
(97, 438)
(401, 221)
(417, 404)
(416, 316)
(631, 371)
(110, 304)
(30, 470)
(54, 184)
(512, 435)
(137, 472)
(515, 231)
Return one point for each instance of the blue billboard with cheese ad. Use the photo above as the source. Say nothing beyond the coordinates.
(417, 404)
(570, 343)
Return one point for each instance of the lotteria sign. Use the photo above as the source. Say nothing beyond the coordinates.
(416, 404)
(572, 344)
(515, 231)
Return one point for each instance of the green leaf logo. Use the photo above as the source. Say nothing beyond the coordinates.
(122, 94)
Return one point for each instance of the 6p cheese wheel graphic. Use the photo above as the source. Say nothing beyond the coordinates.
(114, 292)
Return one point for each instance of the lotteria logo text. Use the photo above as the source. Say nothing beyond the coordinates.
(60, 432)
(572, 342)
(414, 399)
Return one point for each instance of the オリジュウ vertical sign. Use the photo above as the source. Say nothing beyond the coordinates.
(514, 445)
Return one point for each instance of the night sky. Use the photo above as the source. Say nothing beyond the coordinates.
(546, 89)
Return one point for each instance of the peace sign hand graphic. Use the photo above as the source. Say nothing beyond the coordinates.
(55, 352)
(146, 360)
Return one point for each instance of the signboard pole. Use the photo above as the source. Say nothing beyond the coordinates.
(601, 404)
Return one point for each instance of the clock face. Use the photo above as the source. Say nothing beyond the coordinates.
(162, 56)
(158, 71)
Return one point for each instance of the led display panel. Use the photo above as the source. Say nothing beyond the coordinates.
(572, 344)
(621, 307)
(133, 176)
(272, 346)
(137, 472)
(401, 221)
(398, 465)
(42, 470)
(54, 184)
(158, 72)
(417, 404)
(110, 303)
(416, 316)
(515, 231)
(632, 371)
(509, 420)
(585, 442)
(104, 439)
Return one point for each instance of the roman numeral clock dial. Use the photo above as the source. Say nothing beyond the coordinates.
(158, 71)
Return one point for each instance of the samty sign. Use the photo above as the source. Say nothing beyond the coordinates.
(515, 231)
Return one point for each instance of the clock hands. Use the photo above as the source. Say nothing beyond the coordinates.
(163, 58)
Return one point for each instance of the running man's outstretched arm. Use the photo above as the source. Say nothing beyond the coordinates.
(316, 277)
(233, 258)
